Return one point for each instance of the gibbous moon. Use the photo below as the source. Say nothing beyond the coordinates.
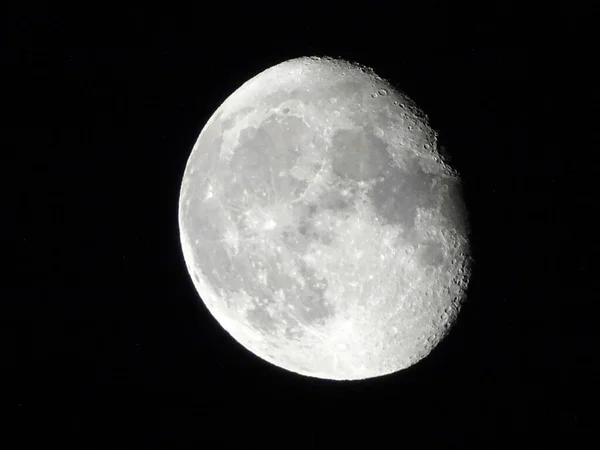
(320, 225)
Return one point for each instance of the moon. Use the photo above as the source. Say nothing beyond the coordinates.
(320, 224)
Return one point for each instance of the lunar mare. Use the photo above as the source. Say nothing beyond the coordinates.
(320, 225)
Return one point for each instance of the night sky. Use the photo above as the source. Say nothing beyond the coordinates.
(107, 345)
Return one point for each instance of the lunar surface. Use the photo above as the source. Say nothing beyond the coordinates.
(321, 226)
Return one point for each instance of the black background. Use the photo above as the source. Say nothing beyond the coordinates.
(107, 344)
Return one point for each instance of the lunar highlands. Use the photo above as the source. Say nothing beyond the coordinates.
(321, 226)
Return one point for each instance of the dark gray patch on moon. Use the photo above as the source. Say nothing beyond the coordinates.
(453, 207)
(349, 91)
(260, 320)
(333, 200)
(396, 197)
(308, 232)
(431, 254)
(265, 152)
(358, 154)
(303, 95)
